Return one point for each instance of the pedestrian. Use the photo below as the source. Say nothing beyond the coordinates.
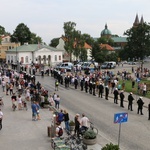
(51, 101)
(101, 89)
(84, 122)
(60, 116)
(34, 111)
(140, 105)
(106, 92)
(77, 125)
(19, 100)
(149, 111)
(116, 93)
(38, 111)
(7, 88)
(144, 89)
(122, 96)
(1, 118)
(59, 130)
(1, 102)
(75, 82)
(56, 85)
(130, 101)
(66, 120)
(57, 102)
(54, 98)
(11, 88)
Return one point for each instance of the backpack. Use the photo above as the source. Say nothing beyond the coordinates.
(60, 133)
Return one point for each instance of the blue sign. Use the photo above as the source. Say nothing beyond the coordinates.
(138, 80)
(120, 117)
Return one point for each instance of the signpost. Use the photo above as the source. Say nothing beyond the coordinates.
(118, 119)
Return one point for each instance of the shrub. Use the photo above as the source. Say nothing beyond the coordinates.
(89, 134)
(71, 123)
(110, 147)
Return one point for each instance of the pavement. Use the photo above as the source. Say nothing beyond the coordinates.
(22, 133)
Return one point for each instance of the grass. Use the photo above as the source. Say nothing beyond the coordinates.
(128, 87)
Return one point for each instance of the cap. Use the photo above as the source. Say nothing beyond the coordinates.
(131, 93)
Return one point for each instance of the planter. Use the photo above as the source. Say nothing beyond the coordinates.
(89, 141)
(72, 128)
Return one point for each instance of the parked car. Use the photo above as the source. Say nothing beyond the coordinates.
(108, 65)
(67, 65)
(132, 63)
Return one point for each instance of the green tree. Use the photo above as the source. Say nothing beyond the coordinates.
(69, 30)
(138, 42)
(35, 39)
(104, 40)
(88, 39)
(21, 34)
(54, 42)
(83, 55)
(2, 30)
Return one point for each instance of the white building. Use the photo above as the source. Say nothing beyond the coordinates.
(66, 57)
(34, 53)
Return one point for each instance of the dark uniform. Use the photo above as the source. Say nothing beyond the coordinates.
(140, 105)
(130, 99)
(149, 111)
(101, 88)
(116, 93)
(121, 99)
(106, 92)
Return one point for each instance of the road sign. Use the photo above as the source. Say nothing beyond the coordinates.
(120, 117)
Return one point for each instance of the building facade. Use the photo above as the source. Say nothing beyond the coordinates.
(34, 53)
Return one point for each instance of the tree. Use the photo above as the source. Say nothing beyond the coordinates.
(35, 39)
(2, 30)
(105, 40)
(54, 42)
(138, 42)
(21, 34)
(69, 30)
(88, 39)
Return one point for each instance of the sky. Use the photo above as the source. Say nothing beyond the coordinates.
(46, 18)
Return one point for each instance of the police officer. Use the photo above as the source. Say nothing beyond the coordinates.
(106, 92)
(101, 88)
(116, 93)
(121, 99)
(90, 87)
(94, 86)
(140, 105)
(130, 99)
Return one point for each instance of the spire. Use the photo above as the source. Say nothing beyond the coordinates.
(142, 20)
(106, 26)
(136, 22)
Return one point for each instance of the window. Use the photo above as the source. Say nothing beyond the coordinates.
(22, 59)
(59, 57)
(55, 57)
(26, 59)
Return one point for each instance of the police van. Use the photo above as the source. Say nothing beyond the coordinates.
(108, 65)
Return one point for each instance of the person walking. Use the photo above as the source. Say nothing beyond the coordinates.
(77, 125)
(101, 88)
(106, 92)
(19, 99)
(34, 111)
(66, 120)
(56, 85)
(122, 96)
(57, 102)
(130, 101)
(38, 111)
(1, 118)
(116, 93)
(140, 105)
(149, 111)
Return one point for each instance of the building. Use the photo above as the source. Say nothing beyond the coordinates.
(5, 45)
(34, 53)
(66, 56)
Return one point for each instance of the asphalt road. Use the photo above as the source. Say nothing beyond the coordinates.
(135, 133)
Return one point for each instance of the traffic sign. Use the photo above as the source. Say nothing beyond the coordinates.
(120, 117)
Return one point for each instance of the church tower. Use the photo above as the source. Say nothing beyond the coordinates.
(136, 22)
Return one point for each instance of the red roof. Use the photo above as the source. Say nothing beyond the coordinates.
(107, 47)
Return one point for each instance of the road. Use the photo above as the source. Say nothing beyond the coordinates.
(135, 133)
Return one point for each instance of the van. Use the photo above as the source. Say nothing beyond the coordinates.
(66, 65)
(108, 65)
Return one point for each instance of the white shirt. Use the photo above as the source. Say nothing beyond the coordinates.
(1, 114)
(84, 121)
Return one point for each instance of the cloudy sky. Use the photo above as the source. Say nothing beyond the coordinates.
(46, 17)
